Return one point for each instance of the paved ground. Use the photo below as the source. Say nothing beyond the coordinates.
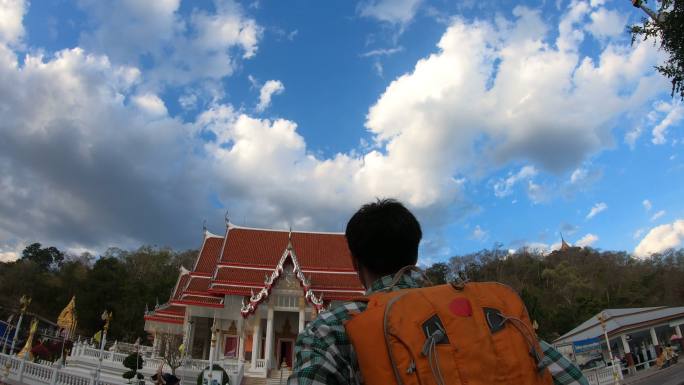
(673, 375)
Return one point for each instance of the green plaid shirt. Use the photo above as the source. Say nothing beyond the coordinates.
(325, 356)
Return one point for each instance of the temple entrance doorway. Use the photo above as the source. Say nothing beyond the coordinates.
(285, 351)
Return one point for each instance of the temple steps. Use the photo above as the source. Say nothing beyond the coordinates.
(253, 381)
(273, 379)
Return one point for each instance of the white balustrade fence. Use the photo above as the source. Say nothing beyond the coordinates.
(70, 379)
(37, 371)
(17, 371)
(261, 363)
(602, 376)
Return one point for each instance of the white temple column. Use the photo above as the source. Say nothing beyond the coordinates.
(220, 341)
(191, 337)
(654, 337)
(678, 331)
(625, 344)
(256, 338)
(645, 354)
(187, 324)
(155, 344)
(212, 346)
(302, 319)
(269, 336)
(241, 346)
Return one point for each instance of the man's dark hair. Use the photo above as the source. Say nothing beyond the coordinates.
(383, 236)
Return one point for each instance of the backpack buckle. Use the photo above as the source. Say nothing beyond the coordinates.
(495, 320)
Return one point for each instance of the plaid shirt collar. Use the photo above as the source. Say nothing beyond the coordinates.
(408, 280)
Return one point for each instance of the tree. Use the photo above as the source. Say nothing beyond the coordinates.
(134, 362)
(667, 26)
(438, 273)
(45, 258)
(122, 281)
(173, 356)
(104, 289)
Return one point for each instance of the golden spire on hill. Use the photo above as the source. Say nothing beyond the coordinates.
(564, 245)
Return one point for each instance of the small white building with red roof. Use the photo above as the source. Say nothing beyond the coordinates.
(251, 291)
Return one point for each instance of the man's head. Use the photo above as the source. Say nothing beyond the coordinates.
(383, 237)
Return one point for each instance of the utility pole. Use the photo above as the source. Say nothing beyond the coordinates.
(107, 317)
(602, 319)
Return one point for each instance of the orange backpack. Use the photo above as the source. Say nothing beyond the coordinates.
(474, 333)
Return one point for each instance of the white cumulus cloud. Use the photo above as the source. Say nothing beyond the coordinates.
(504, 187)
(11, 15)
(607, 23)
(596, 209)
(150, 103)
(270, 88)
(487, 92)
(661, 238)
(392, 11)
(185, 49)
(674, 112)
(587, 240)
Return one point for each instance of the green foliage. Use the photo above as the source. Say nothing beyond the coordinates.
(438, 273)
(120, 281)
(666, 26)
(133, 361)
(45, 258)
(225, 381)
(565, 288)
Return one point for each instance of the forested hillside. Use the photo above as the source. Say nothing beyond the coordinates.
(121, 281)
(561, 289)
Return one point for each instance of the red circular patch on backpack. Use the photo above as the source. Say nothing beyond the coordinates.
(461, 307)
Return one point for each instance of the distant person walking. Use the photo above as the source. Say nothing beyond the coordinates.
(405, 333)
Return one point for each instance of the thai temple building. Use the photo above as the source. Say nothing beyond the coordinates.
(250, 292)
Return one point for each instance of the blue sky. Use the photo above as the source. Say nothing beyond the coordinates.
(496, 121)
